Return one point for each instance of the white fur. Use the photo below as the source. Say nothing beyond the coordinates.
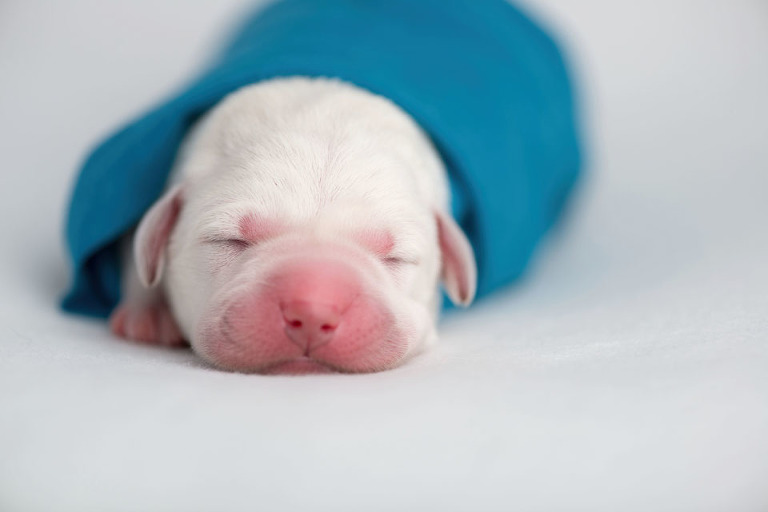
(328, 159)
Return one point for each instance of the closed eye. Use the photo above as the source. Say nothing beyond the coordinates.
(222, 252)
(397, 261)
(229, 243)
(237, 243)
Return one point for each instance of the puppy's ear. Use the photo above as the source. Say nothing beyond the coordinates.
(459, 272)
(152, 236)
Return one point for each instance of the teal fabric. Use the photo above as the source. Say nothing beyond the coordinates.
(486, 83)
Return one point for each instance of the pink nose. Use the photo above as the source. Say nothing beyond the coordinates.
(310, 325)
(314, 295)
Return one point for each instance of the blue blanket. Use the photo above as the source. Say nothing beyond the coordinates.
(486, 84)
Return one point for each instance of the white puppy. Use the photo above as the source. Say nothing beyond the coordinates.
(306, 227)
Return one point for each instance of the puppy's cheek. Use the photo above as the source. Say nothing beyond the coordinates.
(419, 328)
(244, 333)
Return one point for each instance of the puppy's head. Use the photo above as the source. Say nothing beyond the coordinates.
(307, 231)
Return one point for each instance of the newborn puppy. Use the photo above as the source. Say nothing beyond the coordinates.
(307, 227)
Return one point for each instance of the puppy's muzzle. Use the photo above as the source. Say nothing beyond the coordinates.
(308, 308)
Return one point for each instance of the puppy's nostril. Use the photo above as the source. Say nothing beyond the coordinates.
(309, 324)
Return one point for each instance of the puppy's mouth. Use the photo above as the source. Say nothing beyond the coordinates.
(299, 366)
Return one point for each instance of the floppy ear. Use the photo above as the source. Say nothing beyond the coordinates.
(152, 236)
(459, 272)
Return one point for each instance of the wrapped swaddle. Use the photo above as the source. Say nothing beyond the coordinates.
(486, 84)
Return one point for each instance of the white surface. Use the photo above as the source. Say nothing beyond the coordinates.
(628, 372)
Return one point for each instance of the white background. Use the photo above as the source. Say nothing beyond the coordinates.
(628, 372)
